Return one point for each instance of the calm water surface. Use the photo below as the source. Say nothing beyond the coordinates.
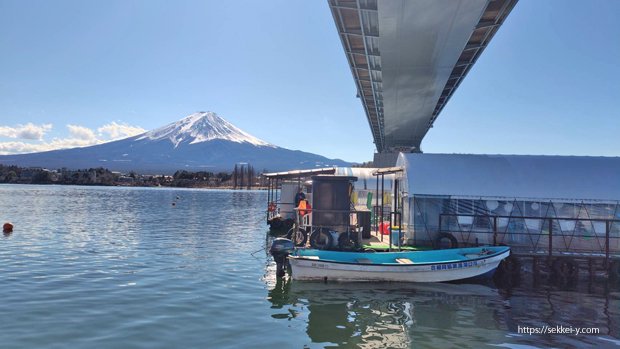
(95, 267)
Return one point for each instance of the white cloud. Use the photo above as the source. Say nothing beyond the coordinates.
(19, 147)
(27, 131)
(7, 148)
(82, 133)
(80, 136)
(115, 131)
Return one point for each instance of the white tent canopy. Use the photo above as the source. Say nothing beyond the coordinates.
(514, 176)
(365, 178)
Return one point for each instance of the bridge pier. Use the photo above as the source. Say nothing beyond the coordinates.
(385, 159)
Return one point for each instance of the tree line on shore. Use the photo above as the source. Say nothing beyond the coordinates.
(243, 176)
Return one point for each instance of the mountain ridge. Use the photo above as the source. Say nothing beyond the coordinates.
(200, 141)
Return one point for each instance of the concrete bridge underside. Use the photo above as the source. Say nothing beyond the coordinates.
(409, 56)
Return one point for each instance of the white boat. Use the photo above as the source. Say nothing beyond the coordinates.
(417, 266)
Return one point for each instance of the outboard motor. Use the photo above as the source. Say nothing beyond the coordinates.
(280, 249)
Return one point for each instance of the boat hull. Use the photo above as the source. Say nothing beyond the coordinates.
(311, 269)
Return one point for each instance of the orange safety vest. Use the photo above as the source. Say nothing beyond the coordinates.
(304, 207)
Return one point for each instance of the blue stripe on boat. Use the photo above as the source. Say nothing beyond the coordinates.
(445, 259)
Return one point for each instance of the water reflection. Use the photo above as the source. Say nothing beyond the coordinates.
(581, 305)
(386, 315)
(368, 315)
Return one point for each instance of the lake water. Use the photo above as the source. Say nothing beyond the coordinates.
(90, 267)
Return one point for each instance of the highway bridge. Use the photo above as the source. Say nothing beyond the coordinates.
(408, 57)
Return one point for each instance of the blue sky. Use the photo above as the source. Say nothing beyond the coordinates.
(80, 72)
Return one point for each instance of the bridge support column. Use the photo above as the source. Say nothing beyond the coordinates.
(385, 159)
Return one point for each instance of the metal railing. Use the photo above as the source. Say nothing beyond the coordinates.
(550, 235)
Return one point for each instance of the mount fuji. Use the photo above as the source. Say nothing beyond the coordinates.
(201, 141)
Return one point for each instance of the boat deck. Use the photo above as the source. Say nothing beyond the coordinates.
(382, 242)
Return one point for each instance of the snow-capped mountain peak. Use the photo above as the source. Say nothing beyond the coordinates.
(202, 127)
(200, 142)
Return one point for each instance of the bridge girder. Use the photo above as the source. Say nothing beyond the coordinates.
(408, 57)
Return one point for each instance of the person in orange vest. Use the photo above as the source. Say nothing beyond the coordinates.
(304, 207)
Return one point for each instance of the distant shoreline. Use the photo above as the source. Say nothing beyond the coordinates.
(137, 186)
(239, 179)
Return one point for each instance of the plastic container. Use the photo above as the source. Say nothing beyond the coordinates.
(395, 236)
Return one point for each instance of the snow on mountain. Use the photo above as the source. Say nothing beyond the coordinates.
(201, 141)
(202, 127)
